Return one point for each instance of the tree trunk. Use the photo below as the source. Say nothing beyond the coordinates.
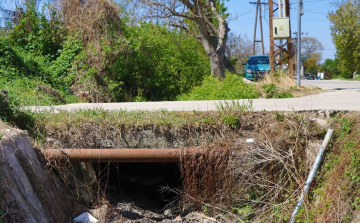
(228, 65)
(213, 38)
(217, 66)
(216, 60)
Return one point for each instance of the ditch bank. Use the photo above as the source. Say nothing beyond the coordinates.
(225, 187)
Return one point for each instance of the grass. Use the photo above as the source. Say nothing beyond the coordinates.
(140, 118)
(357, 78)
(336, 193)
(233, 105)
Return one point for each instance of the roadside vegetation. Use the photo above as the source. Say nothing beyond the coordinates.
(281, 85)
(105, 60)
(56, 54)
(47, 57)
(232, 87)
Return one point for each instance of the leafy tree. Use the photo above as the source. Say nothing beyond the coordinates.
(210, 19)
(331, 66)
(345, 31)
(311, 64)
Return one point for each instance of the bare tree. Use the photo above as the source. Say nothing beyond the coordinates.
(238, 50)
(205, 19)
(311, 45)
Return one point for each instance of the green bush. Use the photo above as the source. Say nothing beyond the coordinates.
(37, 55)
(158, 64)
(232, 87)
(147, 62)
(5, 109)
(271, 91)
(37, 32)
(11, 64)
(26, 92)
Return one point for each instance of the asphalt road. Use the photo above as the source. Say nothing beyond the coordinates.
(334, 85)
(341, 95)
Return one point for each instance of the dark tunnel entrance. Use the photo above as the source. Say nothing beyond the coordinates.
(144, 184)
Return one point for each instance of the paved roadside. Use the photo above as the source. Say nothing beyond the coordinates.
(334, 85)
(343, 95)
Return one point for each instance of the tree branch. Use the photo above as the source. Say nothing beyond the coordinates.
(186, 29)
(172, 10)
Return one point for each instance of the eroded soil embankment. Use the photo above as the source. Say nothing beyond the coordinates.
(28, 192)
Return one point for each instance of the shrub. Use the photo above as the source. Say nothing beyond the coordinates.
(158, 64)
(271, 91)
(232, 87)
(26, 92)
(327, 75)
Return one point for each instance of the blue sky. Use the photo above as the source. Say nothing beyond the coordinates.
(314, 21)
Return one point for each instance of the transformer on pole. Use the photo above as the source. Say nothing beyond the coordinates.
(280, 29)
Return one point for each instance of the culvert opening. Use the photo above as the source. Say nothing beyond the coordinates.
(143, 184)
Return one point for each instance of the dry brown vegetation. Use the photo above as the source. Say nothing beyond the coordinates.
(206, 176)
(286, 83)
(265, 176)
(98, 25)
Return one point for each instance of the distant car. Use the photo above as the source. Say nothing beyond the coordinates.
(256, 67)
(309, 76)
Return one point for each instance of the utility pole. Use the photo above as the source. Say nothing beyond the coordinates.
(258, 14)
(300, 13)
(271, 56)
(291, 53)
(284, 54)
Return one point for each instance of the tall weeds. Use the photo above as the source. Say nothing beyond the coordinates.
(97, 23)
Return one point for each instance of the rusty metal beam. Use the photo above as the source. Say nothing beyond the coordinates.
(118, 155)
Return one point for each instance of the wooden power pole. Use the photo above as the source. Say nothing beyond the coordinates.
(258, 4)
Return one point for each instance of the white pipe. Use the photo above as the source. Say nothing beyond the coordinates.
(312, 173)
(284, 8)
